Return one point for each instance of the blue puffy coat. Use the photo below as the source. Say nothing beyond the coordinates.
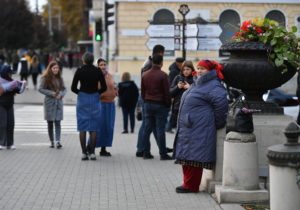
(202, 111)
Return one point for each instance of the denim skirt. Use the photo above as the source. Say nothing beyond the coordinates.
(88, 111)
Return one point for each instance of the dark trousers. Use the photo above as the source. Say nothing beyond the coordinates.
(34, 78)
(192, 177)
(7, 124)
(128, 112)
(155, 119)
(140, 145)
(24, 77)
(51, 131)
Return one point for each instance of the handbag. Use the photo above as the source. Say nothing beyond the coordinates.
(239, 119)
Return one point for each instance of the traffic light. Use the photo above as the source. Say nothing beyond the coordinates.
(98, 30)
(108, 14)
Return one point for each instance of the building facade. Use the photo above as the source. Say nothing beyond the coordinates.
(131, 36)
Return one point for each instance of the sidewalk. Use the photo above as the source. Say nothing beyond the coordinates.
(37, 177)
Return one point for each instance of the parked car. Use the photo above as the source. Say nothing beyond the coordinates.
(282, 98)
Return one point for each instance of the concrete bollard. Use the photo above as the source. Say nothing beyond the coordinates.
(240, 181)
(284, 163)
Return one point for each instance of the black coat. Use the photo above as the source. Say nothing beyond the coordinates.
(176, 94)
(174, 71)
(128, 94)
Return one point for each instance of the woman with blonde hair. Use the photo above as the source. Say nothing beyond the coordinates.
(35, 70)
(52, 86)
(128, 97)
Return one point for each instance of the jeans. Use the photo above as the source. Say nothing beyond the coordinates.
(51, 131)
(155, 119)
(128, 112)
(140, 144)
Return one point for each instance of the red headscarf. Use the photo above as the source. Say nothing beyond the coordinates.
(210, 65)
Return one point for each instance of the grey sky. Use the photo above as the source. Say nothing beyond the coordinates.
(32, 4)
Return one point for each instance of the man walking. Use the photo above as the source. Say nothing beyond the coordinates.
(157, 101)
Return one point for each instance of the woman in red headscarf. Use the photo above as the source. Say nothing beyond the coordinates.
(202, 111)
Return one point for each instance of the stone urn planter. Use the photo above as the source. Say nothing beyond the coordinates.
(249, 69)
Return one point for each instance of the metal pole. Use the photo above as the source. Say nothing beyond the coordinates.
(59, 19)
(50, 17)
(37, 7)
(183, 37)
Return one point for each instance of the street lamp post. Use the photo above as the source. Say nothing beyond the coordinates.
(184, 10)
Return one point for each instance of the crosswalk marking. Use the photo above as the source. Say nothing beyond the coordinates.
(30, 118)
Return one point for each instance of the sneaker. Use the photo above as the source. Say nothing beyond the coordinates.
(124, 132)
(139, 154)
(12, 147)
(84, 157)
(104, 153)
(93, 156)
(1, 147)
(148, 156)
(180, 189)
(21, 86)
(166, 157)
(58, 145)
(52, 144)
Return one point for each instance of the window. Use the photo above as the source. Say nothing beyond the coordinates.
(297, 24)
(163, 16)
(277, 16)
(230, 24)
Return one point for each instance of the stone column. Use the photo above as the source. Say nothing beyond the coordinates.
(240, 181)
(284, 163)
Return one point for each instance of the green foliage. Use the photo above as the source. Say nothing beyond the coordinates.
(285, 44)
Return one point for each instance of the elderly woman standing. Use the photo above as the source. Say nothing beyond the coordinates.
(202, 111)
(108, 111)
(88, 108)
(52, 86)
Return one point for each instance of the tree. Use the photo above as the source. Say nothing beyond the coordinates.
(16, 24)
(41, 37)
(74, 18)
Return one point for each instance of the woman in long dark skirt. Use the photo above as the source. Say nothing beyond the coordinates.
(88, 108)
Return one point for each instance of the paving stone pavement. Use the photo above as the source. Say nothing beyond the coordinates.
(37, 177)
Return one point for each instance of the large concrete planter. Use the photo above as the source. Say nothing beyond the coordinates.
(249, 69)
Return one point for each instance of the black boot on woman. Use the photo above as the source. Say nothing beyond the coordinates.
(103, 152)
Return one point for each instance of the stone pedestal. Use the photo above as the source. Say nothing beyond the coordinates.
(240, 181)
(284, 161)
(284, 191)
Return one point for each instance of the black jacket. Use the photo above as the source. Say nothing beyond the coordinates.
(147, 65)
(128, 94)
(174, 71)
(176, 94)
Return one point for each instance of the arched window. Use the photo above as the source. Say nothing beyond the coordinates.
(230, 23)
(277, 16)
(163, 16)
